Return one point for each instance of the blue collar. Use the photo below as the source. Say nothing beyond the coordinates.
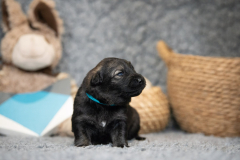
(95, 100)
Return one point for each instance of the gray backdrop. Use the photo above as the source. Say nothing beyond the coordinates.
(129, 29)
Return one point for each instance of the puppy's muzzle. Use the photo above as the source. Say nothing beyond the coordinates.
(137, 82)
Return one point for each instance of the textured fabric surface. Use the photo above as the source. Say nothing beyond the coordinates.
(167, 145)
(130, 29)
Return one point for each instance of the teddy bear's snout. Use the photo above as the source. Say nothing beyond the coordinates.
(32, 52)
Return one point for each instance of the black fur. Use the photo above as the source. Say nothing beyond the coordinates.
(112, 81)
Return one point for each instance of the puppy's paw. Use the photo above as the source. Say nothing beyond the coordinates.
(127, 145)
(119, 144)
(81, 142)
(140, 138)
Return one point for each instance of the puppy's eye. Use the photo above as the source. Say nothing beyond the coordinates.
(119, 73)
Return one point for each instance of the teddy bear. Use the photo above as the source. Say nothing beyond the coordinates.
(31, 48)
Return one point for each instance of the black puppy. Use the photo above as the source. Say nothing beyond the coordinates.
(101, 108)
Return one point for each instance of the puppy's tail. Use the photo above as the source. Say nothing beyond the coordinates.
(140, 138)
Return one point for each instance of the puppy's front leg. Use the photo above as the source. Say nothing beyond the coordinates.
(81, 137)
(119, 134)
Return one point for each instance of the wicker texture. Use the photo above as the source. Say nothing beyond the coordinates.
(204, 92)
(152, 106)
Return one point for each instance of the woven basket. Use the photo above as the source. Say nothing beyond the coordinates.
(204, 92)
(152, 106)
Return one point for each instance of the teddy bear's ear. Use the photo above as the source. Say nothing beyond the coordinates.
(42, 14)
(12, 15)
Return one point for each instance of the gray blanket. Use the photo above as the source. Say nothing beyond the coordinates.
(167, 145)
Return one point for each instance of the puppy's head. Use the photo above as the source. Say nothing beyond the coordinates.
(114, 81)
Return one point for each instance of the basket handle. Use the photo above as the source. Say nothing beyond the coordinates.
(165, 52)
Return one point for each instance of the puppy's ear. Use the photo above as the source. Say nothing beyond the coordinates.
(97, 79)
(130, 64)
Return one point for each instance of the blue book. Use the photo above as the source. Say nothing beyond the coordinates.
(36, 113)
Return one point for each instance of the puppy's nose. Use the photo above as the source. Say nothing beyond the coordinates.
(139, 80)
(136, 82)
